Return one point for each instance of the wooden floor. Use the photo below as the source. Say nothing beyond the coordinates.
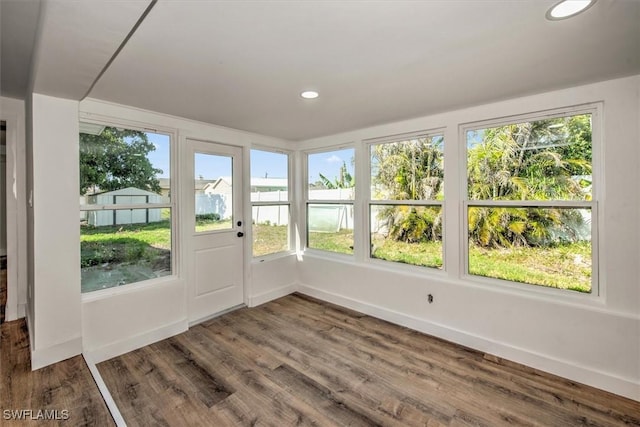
(65, 386)
(3, 289)
(298, 361)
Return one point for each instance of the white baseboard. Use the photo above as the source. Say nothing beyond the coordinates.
(280, 292)
(50, 355)
(566, 369)
(120, 347)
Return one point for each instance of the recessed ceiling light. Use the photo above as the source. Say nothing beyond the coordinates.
(568, 8)
(309, 94)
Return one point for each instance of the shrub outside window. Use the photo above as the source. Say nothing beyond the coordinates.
(330, 195)
(270, 204)
(406, 200)
(530, 208)
(125, 206)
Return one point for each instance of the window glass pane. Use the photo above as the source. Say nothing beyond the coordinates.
(331, 175)
(123, 166)
(539, 160)
(124, 246)
(269, 176)
(408, 170)
(407, 234)
(213, 192)
(539, 246)
(270, 229)
(330, 227)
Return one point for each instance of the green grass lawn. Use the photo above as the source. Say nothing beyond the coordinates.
(124, 243)
(212, 225)
(269, 239)
(340, 241)
(564, 266)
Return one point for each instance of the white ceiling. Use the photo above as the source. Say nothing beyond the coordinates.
(18, 23)
(243, 64)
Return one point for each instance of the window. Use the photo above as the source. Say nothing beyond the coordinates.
(330, 194)
(530, 208)
(406, 196)
(270, 203)
(125, 206)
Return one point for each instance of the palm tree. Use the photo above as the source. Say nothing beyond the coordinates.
(541, 160)
(409, 170)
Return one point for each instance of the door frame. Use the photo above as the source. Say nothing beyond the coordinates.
(13, 114)
(186, 234)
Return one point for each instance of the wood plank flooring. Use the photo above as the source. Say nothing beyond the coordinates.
(65, 386)
(299, 361)
(3, 290)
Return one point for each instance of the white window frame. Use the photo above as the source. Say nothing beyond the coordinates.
(172, 205)
(595, 109)
(308, 201)
(287, 203)
(369, 144)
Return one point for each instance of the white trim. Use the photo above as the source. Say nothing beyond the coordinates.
(104, 391)
(117, 348)
(12, 112)
(575, 204)
(403, 137)
(22, 310)
(273, 294)
(56, 353)
(386, 202)
(564, 368)
(214, 315)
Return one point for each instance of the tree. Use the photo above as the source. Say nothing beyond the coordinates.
(410, 170)
(542, 160)
(345, 180)
(115, 159)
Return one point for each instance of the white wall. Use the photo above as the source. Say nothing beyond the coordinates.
(120, 319)
(55, 321)
(13, 112)
(590, 339)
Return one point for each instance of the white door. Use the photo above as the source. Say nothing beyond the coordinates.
(214, 228)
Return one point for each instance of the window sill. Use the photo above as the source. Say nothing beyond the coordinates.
(128, 288)
(272, 257)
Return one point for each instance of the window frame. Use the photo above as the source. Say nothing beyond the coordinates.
(307, 201)
(595, 109)
(370, 202)
(288, 203)
(172, 205)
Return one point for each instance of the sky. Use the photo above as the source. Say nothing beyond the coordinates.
(273, 165)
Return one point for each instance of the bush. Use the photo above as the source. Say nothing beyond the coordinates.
(208, 217)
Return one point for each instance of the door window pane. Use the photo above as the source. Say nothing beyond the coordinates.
(213, 192)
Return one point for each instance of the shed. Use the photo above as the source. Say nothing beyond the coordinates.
(124, 196)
